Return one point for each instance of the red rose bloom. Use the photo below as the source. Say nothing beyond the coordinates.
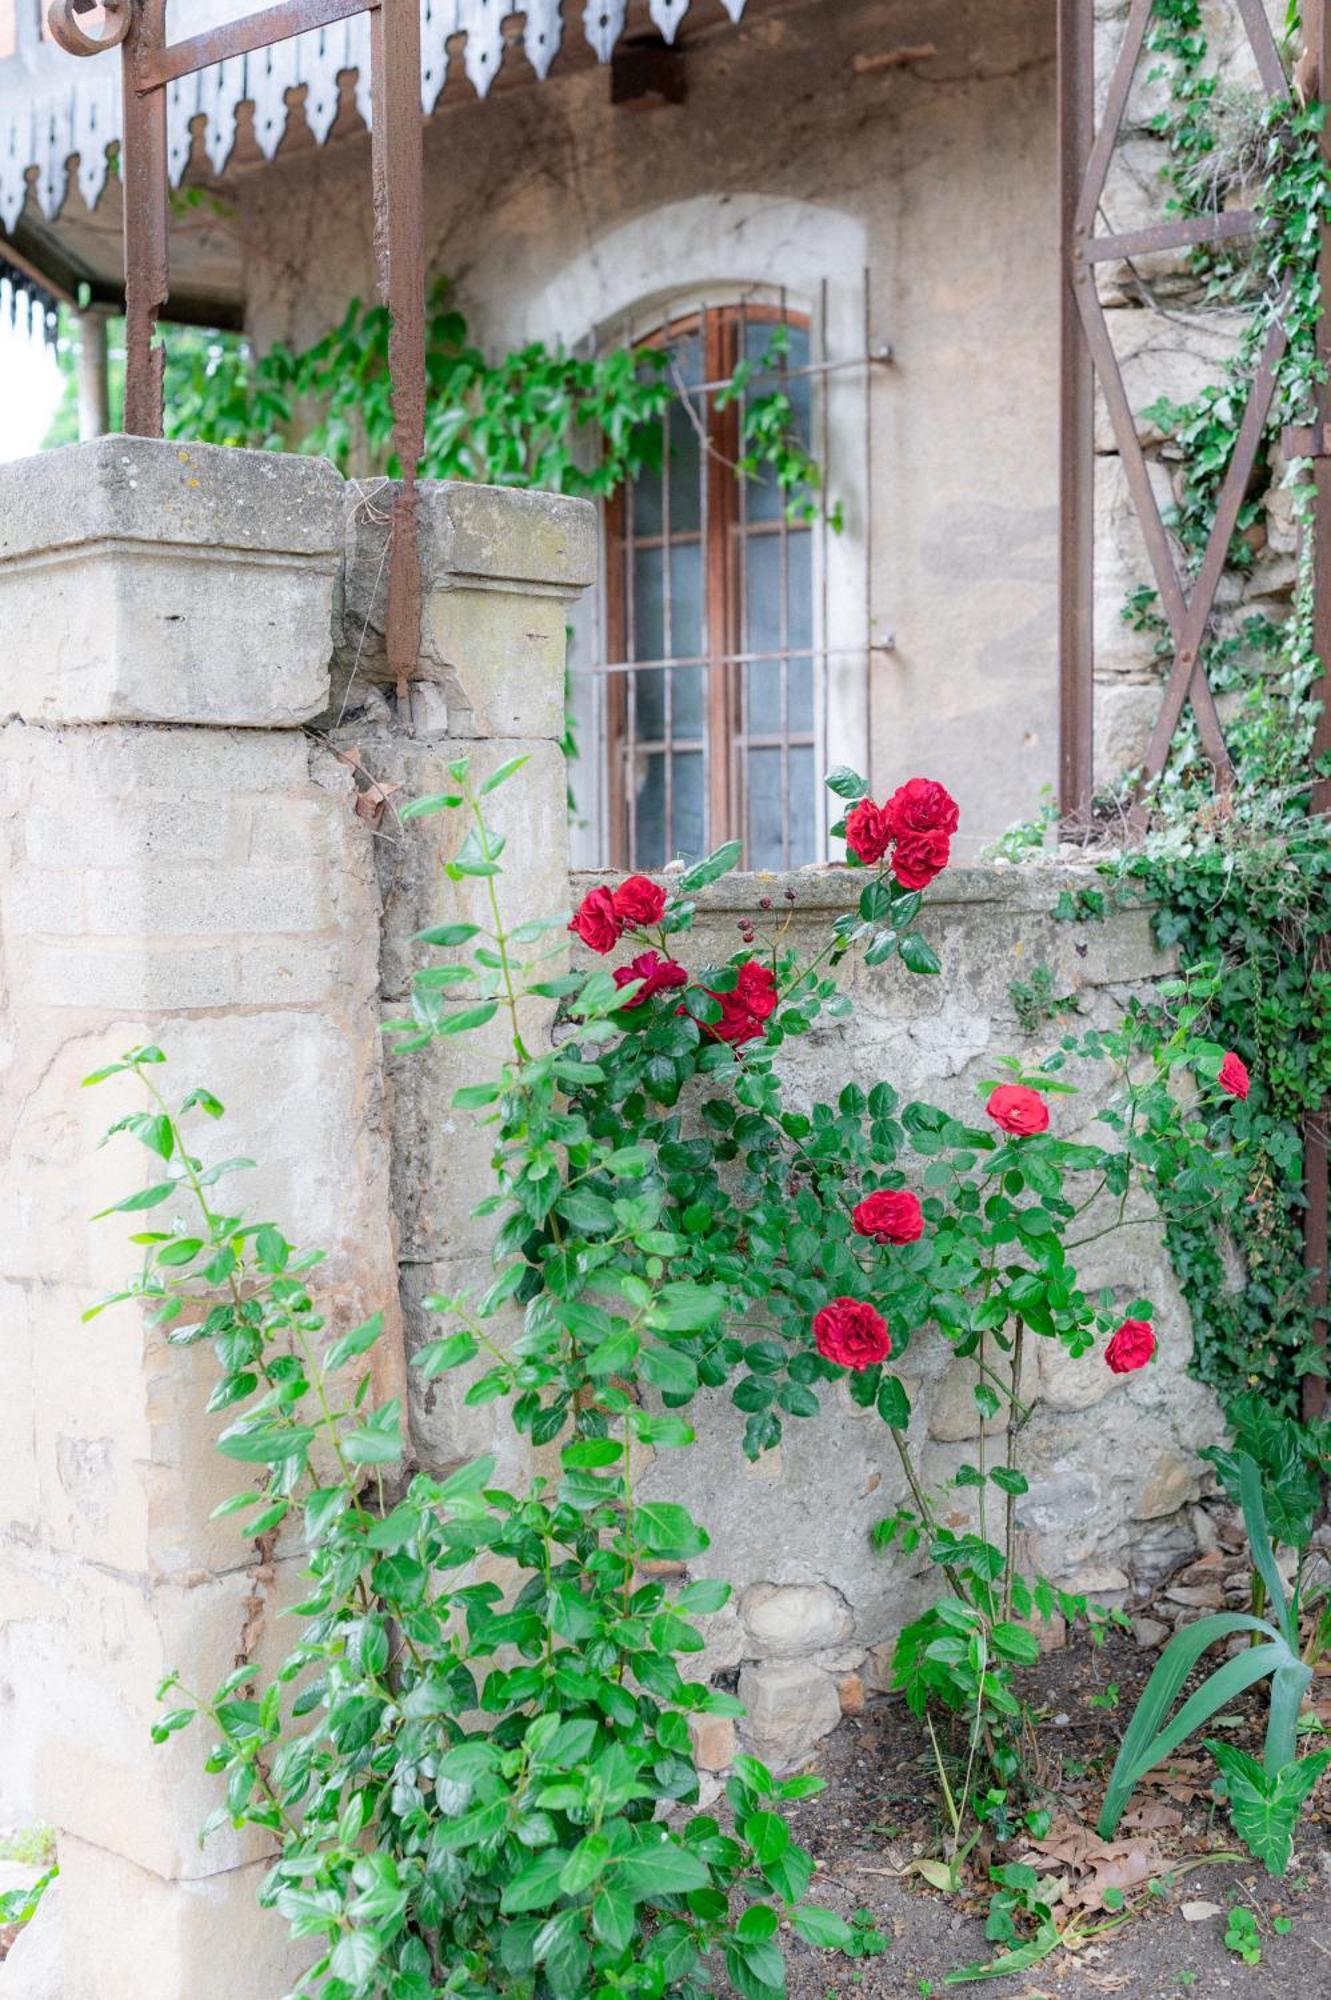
(743, 1010)
(757, 989)
(868, 834)
(1234, 1076)
(1018, 1110)
(597, 922)
(1131, 1347)
(852, 1334)
(889, 1215)
(656, 973)
(919, 857)
(639, 902)
(921, 806)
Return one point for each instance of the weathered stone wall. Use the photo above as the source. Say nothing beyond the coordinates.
(1111, 1459)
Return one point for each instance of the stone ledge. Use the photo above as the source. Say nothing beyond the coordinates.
(204, 497)
(1029, 886)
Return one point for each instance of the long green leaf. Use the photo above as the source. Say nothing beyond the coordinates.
(1259, 1537)
(1139, 1753)
(1288, 1684)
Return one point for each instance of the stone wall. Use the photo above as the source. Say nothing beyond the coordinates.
(1110, 1459)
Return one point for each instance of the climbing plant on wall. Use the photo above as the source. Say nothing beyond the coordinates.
(537, 417)
(1240, 880)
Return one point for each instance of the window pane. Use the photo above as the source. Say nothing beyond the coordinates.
(646, 508)
(690, 827)
(765, 848)
(803, 806)
(762, 606)
(649, 705)
(648, 604)
(763, 499)
(651, 639)
(688, 686)
(649, 845)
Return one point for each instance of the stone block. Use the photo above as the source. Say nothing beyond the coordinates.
(1166, 357)
(1125, 715)
(1171, 1482)
(714, 1741)
(146, 581)
(1066, 1384)
(790, 1705)
(795, 1618)
(499, 569)
(128, 1933)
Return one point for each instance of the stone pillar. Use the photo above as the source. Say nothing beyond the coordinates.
(501, 570)
(94, 374)
(179, 863)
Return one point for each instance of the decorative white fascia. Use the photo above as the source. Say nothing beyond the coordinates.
(57, 112)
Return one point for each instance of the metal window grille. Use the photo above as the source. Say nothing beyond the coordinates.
(711, 703)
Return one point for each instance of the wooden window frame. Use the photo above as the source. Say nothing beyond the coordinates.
(722, 533)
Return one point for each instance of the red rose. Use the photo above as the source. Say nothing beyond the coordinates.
(1131, 1347)
(757, 988)
(921, 806)
(889, 1215)
(1234, 1076)
(868, 834)
(743, 1010)
(639, 902)
(852, 1334)
(919, 857)
(1018, 1110)
(597, 922)
(656, 973)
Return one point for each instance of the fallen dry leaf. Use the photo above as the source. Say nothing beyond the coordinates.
(1154, 1817)
(1200, 1912)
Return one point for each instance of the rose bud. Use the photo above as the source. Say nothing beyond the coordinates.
(1019, 1111)
(1131, 1347)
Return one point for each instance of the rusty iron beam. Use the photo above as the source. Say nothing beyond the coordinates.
(1178, 235)
(398, 171)
(243, 37)
(1269, 66)
(1076, 467)
(143, 173)
(1316, 1177)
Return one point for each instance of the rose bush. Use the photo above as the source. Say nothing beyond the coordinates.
(484, 1789)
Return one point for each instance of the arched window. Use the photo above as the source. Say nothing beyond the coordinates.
(710, 697)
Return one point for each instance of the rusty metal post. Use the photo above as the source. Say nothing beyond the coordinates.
(1076, 477)
(144, 191)
(1316, 1178)
(399, 241)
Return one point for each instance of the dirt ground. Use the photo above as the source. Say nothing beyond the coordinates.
(879, 1812)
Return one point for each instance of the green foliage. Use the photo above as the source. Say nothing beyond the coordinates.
(19, 1906)
(1242, 1936)
(1265, 1805)
(1035, 1001)
(536, 418)
(463, 1781)
(1156, 1730)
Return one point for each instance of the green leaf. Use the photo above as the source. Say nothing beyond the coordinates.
(917, 956)
(356, 1956)
(1014, 1642)
(822, 1927)
(504, 772)
(1265, 1809)
(359, 1341)
(658, 1868)
(847, 784)
(893, 1404)
(264, 1441)
(448, 934)
(537, 1886)
(440, 1355)
(585, 1865)
(767, 1834)
(149, 1197)
(717, 864)
(665, 1529)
